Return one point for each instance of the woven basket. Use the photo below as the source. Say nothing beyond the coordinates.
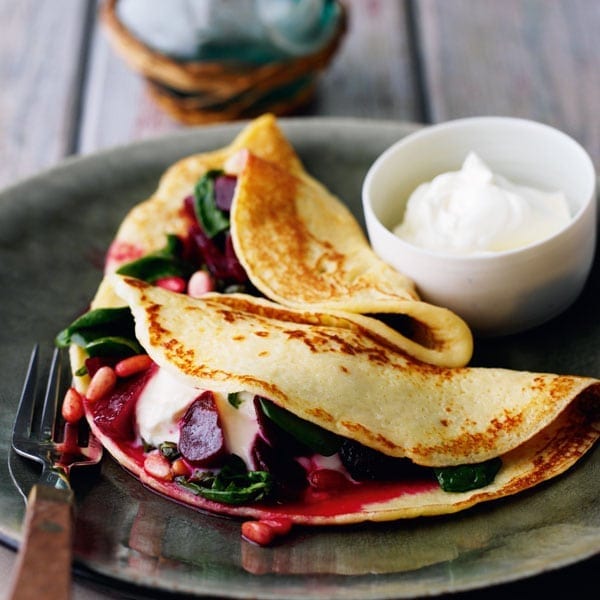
(196, 92)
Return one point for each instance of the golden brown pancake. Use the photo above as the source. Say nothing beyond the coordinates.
(313, 350)
(303, 248)
(146, 225)
(332, 369)
(284, 218)
(335, 370)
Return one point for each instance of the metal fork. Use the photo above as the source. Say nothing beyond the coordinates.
(43, 567)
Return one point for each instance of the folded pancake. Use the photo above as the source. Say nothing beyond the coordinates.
(145, 226)
(329, 264)
(333, 369)
(298, 243)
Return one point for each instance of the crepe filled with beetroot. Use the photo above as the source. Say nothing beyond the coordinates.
(252, 217)
(248, 408)
(239, 357)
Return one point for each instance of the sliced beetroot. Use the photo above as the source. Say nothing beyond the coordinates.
(188, 208)
(209, 252)
(201, 440)
(216, 253)
(289, 477)
(224, 191)
(222, 264)
(235, 270)
(93, 363)
(114, 413)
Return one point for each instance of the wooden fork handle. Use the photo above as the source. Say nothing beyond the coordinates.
(43, 567)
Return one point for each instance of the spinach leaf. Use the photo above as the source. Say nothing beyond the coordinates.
(234, 399)
(165, 262)
(319, 440)
(106, 320)
(114, 345)
(212, 219)
(233, 484)
(463, 478)
(102, 332)
(169, 450)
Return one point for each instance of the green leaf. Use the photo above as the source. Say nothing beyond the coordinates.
(116, 346)
(165, 262)
(98, 323)
(152, 268)
(463, 478)
(169, 450)
(233, 484)
(100, 319)
(102, 332)
(234, 399)
(319, 440)
(63, 339)
(212, 219)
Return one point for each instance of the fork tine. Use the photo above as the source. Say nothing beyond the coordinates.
(22, 424)
(51, 398)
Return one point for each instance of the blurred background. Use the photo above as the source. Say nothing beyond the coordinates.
(66, 87)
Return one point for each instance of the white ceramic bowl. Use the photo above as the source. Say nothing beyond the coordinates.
(503, 292)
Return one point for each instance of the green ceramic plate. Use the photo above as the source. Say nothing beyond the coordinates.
(54, 230)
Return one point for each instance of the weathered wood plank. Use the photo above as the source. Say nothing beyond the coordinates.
(116, 106)
(536, 59)
(40, 53)
(372, 75)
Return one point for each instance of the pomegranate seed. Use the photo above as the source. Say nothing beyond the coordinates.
(158, 466)
(132, 365)
(172, 283)
(258, 532)
(72, 406)
(279, 525)
(200, 283)
(179, 467)
(102, 383)
(327, 480)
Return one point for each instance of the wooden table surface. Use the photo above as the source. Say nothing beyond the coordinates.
(64, 91)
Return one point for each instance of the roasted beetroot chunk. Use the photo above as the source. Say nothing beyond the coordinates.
(92, 364)
(216, 253)
(201, 438)
(289, 477)
(224, 191)
(114, 413)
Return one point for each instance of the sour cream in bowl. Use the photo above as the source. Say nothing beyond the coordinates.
(492, 217)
